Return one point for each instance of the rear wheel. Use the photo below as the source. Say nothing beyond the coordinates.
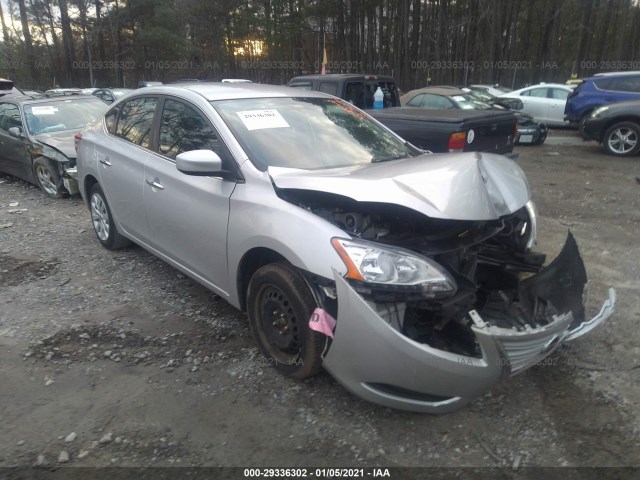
(102, 220)
(280, 304)
(622, 139)
(48, 178)
(541, 139)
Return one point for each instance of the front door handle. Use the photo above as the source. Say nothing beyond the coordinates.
(155, 183)
(103, 159)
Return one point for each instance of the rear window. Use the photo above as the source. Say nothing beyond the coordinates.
(329, 87)
(602, 84)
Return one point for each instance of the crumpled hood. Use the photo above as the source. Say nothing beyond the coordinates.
(461, 186)
(62, 141)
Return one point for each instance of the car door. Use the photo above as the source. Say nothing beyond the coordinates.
(536, 103)
(121, 161)
(187, 215)
(15, 158)
(557, 102)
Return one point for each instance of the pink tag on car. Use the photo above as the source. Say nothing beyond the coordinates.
(322, 322)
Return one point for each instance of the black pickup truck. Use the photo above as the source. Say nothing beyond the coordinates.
(445, 130)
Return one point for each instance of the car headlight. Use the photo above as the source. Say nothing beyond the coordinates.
(380, 266)
(598, 111)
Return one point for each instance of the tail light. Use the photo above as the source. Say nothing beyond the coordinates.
(515, 132)
(456, 141)
(76, 140)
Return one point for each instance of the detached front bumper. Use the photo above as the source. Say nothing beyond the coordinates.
(70, 180)
(378, 363)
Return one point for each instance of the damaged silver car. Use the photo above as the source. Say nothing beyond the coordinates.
(409, 276)
(37, 139)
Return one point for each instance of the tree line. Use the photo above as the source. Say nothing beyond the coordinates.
(119, 42)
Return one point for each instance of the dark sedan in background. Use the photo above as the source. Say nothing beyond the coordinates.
(37, 138)
(617, 127)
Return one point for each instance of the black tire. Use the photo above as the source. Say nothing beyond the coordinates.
(581, 123)
(102, 221)
(48, 178)
(541, 139)
(279, 305)
(622, 139)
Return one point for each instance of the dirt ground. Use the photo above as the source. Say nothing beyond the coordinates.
(117, 359)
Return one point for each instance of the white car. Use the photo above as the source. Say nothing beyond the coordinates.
(544, 102)
(495, 90)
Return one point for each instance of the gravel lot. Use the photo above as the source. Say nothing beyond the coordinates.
(115, 358)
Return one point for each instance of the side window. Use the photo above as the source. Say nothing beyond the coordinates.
(9, 116)
(328, 87)
(182, 129)
(136, 120)
(538, 92)
(559, 93)
(304, 85)
(526, 93)
(625, 84)
(416, 101)
(110, 119)
(436, 101)
(354, 94)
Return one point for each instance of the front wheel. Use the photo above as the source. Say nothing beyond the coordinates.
(102, 220)
(279, 305)
(48, 177)
(622, 139)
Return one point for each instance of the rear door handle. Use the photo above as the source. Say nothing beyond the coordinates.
(103, 159)
(155, 183)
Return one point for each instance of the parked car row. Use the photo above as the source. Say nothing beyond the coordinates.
(410, 276)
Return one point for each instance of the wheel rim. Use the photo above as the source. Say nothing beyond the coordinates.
(623, 140)
(46, 180)
(278, 322)
(100, 217)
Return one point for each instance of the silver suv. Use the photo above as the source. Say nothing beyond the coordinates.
(396, 270)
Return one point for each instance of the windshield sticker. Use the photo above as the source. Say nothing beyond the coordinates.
(261, 119)
(46, 110)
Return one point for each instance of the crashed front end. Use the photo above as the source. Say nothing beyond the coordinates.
(435, 355)
(432, 312)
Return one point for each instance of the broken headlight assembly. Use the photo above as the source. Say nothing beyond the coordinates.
(379, 270)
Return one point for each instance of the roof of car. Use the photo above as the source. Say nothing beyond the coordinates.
(226, 91)
(440, 90)
(342, 76)
(40, 99)
(559, 85)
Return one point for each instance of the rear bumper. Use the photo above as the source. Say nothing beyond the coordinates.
(593, 129)
(380, 364)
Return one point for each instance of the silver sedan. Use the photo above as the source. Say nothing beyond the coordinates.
(396, 270)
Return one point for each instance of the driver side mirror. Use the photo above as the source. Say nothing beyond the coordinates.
(199, 162)
(16, 132)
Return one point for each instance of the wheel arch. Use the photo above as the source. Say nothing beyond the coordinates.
(250, 262)
(625, 118)
(89, 182)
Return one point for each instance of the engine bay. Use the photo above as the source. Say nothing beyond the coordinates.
(491, 262)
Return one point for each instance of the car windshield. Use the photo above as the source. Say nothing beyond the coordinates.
(308, 133)
(58, 115)
(119, 93)
(469, 102)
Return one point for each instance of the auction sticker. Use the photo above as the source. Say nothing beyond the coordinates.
(261, 119)
(46, 110)
(470, 136)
